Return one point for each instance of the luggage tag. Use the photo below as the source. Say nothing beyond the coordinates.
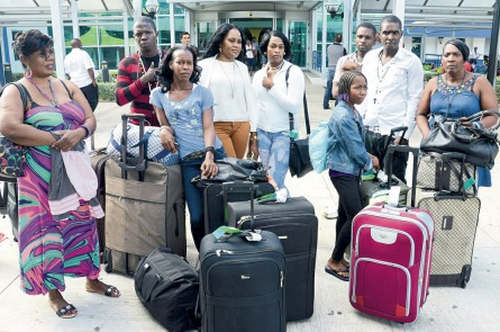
(469, 183)
(394, 196)
(224, 232)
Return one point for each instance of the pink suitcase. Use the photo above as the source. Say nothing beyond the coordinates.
(391, 252)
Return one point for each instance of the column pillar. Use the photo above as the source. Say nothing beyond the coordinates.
(58, 35)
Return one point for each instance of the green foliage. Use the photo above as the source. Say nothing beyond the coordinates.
(427, 67)
(106, 91)
(428, 75)
(498, 90)
(112, 76)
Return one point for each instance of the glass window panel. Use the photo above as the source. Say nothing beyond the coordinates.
(112, 55)
(111, 35)
(164, 29)
(298, 35)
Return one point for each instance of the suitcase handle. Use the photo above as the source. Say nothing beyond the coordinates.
(140, 163)
(403, 148)
(239, 187)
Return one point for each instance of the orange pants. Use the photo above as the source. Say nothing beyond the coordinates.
(234, 137)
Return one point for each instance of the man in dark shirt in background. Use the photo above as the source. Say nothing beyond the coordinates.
(335, 52)
(137, 73)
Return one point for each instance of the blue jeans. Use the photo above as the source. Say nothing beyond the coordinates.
(194, 196)
(274, 150)
(328, 89)
(194, 199)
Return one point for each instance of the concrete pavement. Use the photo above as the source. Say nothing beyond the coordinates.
(448, 308)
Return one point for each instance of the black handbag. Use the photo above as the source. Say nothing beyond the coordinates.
(478, 144)
(299, 162)
(234, 169)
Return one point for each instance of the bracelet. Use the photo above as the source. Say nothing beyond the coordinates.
(88, 132)
(164, 127)
(477, 125)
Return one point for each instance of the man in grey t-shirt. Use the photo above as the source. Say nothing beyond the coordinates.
(335, 52)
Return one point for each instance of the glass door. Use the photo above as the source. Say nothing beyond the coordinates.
(204, 30)
(297, 33)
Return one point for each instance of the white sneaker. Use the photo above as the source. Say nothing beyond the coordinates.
(330, 212)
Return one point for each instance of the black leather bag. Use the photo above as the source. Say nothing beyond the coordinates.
(168, 287)
(299, 162)
(479, 145)
(234, 169)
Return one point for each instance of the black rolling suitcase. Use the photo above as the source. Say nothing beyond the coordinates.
(242, 283)
(9, 205)
(456, 217)
(214, 211)
(374, 191)
(297, 227)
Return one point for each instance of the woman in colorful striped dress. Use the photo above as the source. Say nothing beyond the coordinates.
(57, 116)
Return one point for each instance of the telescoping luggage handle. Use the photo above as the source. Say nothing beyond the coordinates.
(403, 148)
(127, 163)
(461, 158)
(236, 187)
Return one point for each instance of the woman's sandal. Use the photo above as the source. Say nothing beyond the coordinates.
(336, 274)
(109, 292)
(66, 312)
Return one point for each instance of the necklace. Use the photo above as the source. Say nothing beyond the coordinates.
(278, 67)
(381, 75)
(459, 88)
(51, 98)
(143, 69)
(228, 76)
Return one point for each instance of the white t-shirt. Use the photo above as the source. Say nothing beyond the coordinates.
(76, 65)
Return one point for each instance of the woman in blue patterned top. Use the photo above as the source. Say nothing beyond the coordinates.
(184, 111)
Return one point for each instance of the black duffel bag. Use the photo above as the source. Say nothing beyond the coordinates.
(168, 287)
(478, 144)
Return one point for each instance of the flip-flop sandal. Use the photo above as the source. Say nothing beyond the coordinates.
(62, 312)
(111, 290)
(336, 274)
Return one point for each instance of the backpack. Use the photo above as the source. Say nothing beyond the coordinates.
(168, 286)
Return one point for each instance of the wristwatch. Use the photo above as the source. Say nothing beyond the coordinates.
(210, 149)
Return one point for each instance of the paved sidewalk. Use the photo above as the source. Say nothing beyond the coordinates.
(454, 309)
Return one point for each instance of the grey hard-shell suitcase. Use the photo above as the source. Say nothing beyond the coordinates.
(297, 227)
(145, 208)
(242, 284)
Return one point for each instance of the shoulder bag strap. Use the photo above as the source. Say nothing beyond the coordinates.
(66, 88)
(22, 91)
(304, 101)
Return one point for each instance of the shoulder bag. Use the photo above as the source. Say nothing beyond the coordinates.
(13, 156)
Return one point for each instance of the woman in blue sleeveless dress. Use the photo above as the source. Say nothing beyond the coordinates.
(457, 94)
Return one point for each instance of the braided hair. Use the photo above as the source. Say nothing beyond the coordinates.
(345, 82)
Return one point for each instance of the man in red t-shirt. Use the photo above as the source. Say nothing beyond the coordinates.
(137, 73)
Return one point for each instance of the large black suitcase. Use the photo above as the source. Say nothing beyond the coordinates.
(213, 202)
(297, 227)
(242, 284)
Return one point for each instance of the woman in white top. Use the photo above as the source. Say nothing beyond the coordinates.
(235, 114)
(277, 96)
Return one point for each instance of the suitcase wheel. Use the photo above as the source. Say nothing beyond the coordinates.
(465, 276)
(107, 258)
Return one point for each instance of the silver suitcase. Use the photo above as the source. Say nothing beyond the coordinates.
(456, 218)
